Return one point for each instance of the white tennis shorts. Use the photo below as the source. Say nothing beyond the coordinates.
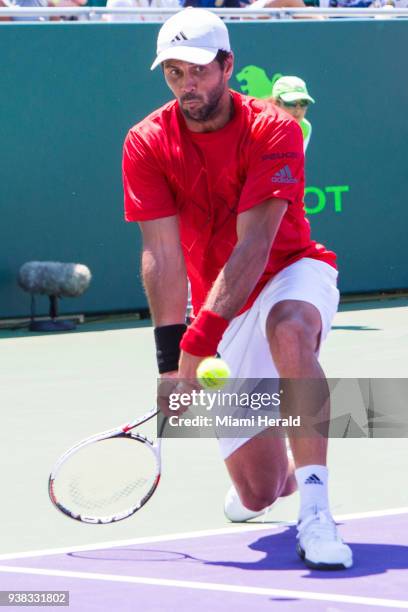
(244, 345)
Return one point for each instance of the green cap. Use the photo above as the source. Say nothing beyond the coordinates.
(290, 89)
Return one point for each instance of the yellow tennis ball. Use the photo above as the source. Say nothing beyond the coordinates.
(212, 373)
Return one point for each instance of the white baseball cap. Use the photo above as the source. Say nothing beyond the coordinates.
(193, 35)
(290, 89)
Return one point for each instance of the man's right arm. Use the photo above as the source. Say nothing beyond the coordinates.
(164, 271)
(150, 202)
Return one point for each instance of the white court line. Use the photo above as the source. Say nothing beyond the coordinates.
(371, 514)
(189, 535)
(213, 586)
(143, 540)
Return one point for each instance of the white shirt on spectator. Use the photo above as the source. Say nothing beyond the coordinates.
(140, 4)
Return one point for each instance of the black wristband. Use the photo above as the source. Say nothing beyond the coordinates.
(167, 338)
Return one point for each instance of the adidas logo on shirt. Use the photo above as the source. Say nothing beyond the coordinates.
(284, 176)
(313, 479)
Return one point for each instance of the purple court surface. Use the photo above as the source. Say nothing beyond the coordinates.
(241, 570)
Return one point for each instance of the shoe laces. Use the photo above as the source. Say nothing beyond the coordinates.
(318, 525)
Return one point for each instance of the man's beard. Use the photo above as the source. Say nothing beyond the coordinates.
(206, 111)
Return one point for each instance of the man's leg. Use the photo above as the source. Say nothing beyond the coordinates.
(261, 471)
(259, 466)
(293, 330)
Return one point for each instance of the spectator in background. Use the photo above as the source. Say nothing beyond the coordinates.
(288, 4)
(139, 4)
(290, 93)
(4, 5)
(345, 3)
(24, 4)
(66, 4)
(278, 4)
(216, 3)
(389, 4)
(39, 4)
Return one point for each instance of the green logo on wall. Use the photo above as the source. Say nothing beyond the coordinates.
(255, 81)
(317, 199)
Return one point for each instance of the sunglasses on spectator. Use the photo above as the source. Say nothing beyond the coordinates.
(302, 103)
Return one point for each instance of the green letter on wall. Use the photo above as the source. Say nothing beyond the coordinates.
(321, 200)
(337, 190)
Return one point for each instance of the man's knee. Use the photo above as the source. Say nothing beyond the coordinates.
(260, 498)
(293, 329)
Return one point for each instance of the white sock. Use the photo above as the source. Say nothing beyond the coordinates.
(312, 482)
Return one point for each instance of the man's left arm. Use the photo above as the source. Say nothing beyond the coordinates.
(256, 231)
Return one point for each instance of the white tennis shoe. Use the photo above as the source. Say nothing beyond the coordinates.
(234, 509)
(319, 544)
(236, 512)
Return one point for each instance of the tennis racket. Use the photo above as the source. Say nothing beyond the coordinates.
(109, 476)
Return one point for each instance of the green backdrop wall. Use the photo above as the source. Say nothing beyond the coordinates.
(69, 93)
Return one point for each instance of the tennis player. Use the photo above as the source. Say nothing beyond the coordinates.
(215, 181)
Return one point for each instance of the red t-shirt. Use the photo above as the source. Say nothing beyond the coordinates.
(207, 179)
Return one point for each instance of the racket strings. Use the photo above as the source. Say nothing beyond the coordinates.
(81, 499)
(107, 477)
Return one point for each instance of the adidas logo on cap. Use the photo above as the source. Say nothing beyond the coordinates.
(180, 36)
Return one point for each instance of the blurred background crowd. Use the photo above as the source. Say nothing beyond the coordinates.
(175, 4)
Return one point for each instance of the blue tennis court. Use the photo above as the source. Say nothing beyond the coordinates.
(234, 569)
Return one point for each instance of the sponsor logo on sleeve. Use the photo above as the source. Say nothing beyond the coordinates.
(284, 176)
(289, 155)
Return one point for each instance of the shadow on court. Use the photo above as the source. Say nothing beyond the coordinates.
(91, 325)
(278, 555)
(369, 559)
(373, 302)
